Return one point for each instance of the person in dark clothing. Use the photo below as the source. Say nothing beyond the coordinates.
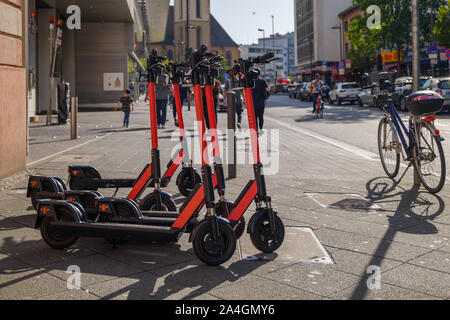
(231, 82)
(163, 91)
(185, 93)
(260, 93)
(127, 106)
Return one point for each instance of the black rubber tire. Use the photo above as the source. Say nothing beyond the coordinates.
(186, 185)
(403, 104)
(54, 239)
(339, 102)
(440, 185)
(390, 174)
(149, 202)
(361, 104)
(206, 255)
(261, 236)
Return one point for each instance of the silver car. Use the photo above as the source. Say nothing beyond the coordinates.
(441, 86)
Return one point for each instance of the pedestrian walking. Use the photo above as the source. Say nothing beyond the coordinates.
(163, 91)
(260, 93)
(185, 94)
(127, 106)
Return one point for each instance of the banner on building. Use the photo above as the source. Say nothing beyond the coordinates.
(390, 56)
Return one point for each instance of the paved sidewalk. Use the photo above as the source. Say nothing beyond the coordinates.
(361, 218)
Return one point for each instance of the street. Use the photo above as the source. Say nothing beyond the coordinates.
(330, 181)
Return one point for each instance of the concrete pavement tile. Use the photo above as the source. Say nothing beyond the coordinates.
(386, 292)
(357, 263)
(387, 218)
(436, 260)
(256, 288)
(73, 294)
(322, 280)
(419, 279)
(148, 256)
(369, 245)
(94, 269)
(26, 245)
(425, 235)
(19, 281)
(205, 296)
(144, 286)
(11, 206)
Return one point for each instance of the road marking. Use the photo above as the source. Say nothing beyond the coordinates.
(342, 145)
(69, 149)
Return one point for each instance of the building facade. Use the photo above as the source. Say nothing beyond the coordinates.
(92, 59)
(316, 37)
(13, 124)
(287, 43)
(275, 69)
(345, 18)
(187, 25)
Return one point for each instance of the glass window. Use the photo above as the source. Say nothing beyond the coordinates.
(444, 84)
(198, 7)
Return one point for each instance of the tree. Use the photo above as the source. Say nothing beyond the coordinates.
(442, 26)
(396, 26)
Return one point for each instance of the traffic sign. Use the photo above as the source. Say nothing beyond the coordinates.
(442, 55)
(434, 61)
(433, 48)
(447, 54)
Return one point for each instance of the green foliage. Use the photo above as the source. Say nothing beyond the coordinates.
(442, 26)
(396, 26)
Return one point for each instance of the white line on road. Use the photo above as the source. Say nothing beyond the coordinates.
(69, 149)
(342, 145)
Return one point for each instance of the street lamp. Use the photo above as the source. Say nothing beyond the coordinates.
(264, 47)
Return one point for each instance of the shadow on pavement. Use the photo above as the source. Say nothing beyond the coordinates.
(178, 275)
(414, 204)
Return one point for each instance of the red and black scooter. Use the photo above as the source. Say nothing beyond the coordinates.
(214, 242)
(88, 178)
(265, 227)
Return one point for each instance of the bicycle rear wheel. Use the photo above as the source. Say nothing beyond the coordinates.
(388, 147)
(429, 159)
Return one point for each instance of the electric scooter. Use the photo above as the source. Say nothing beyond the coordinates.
(88, 178)
(265, 227)
(214, 242)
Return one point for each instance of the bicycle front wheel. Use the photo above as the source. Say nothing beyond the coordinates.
(429, 159)
(388, 146)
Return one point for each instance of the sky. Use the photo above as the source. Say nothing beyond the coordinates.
(242, 18)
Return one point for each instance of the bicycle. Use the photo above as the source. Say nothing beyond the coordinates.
(420, 143)
(319, 107)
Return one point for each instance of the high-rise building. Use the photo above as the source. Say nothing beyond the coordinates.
(287, 43)
(315, 39)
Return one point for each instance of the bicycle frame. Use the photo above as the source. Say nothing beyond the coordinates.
(401, 130)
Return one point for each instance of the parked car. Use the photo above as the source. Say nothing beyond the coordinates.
(368, 97)
(292, 90)
(402, 89)
(304, 92)
(441, 86)
(344, 92)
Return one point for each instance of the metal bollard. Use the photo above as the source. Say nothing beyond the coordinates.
(232, 158)
(73, 116)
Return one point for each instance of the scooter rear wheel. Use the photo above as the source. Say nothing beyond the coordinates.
(46, 187)
(54, 238)
(149, 203)
(263, 239)
(186, 183)
(214, 252)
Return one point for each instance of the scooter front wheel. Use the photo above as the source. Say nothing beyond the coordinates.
(214, 252)
(263, 238)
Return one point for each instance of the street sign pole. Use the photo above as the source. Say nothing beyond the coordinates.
(415, 63)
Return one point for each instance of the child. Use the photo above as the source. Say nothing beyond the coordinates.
(127, 107)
